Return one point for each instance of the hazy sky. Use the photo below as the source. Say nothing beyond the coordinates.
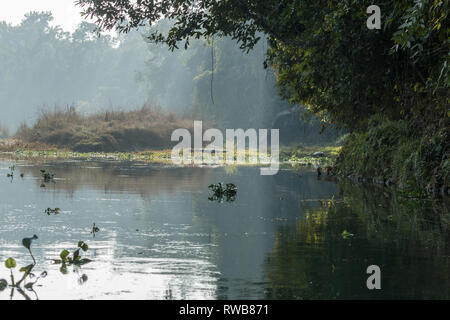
(65, 13)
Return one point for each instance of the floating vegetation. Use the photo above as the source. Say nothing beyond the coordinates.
(75, 260)
(95, 229)
(223, 192)
(295, 157)
(11, 173)
(47, 176)
(55, 211)
(11, 264)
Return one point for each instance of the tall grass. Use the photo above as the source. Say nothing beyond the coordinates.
(108, 131)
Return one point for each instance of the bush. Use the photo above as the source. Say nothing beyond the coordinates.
(399, 152)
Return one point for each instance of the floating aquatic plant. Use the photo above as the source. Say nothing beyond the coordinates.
(95, 229)
(223, 192)
(74, 259)
(11, 173)
(50, 211)
(47, 176)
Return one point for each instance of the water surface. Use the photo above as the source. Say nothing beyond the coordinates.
(161, 238)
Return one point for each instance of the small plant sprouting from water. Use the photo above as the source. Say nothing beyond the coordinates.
(47, 177)
(223, 192)
(50, 211)
(75, 260)
(12, 169)
(11, 264)
(68, 259)
(94, 230)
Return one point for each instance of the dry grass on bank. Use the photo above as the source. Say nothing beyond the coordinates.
(110, 131)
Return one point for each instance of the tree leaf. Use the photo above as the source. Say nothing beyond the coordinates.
(63, 269)
(10, 263)
(64, 254)
(3, 284)
(27, 269)
(76, 255)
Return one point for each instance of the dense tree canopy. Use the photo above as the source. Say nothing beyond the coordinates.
(324, 55)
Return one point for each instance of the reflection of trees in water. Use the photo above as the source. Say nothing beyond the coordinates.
(409, 240)
(121, 177)
(242, 231)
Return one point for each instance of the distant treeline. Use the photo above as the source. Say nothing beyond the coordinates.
(42, 67)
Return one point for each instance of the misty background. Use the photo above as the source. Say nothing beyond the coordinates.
(43, 67)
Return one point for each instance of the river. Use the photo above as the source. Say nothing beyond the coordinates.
(289, 236)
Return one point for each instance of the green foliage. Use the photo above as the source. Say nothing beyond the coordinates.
(75, 258)
(95, 229)
(10, 263)
(3, 284)
(393, 151)
(47, 176)
(50, 211)
(26, 242)
(346, 73)
(323, 53)
(11, 173)
(347, 235)
(325, 58)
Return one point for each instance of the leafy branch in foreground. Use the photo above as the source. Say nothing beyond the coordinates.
(11, 264)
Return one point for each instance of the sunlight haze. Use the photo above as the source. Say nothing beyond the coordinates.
(65, 13)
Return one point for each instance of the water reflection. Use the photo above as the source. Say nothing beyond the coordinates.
(161, 238)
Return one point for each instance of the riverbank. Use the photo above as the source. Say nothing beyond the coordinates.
(293, 156)
(413, 156)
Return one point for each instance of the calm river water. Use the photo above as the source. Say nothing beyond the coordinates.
(161, 238)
